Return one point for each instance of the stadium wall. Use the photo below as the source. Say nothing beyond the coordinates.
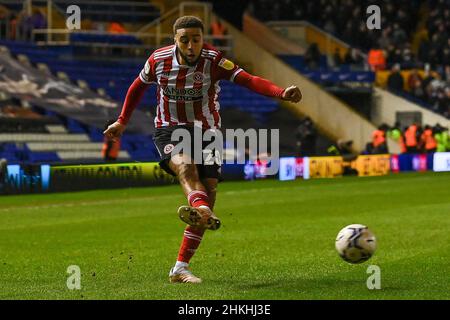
(269, 38)
(389, 104)
(334, 118)
(21, 179)
(44, 178)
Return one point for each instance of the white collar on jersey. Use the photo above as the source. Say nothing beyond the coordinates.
(175, 59)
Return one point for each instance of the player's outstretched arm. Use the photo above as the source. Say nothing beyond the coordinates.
(267, 88)
(134, 96)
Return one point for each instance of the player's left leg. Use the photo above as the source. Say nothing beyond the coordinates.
(197, 195)
(193, 235)
(199, 183)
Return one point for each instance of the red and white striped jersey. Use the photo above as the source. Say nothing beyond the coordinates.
(185, 94)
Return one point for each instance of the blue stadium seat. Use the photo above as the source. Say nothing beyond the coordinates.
(43, 157)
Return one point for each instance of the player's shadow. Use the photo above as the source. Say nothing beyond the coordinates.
(298, 283)
(305, 285)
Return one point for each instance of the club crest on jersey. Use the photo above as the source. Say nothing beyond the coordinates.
(226, 64)
(168, 148)
(198, 76)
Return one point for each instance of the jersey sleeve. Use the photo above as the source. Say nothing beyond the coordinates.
(147, 74)
(226, 69)
(136, 90)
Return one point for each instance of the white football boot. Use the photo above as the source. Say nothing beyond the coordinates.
(199, 217)
(183, 275)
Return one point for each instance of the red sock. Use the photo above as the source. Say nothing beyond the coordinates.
(198, 198)
(192, 236)
(191, 240)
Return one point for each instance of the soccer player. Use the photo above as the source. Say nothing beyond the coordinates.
(187, 75)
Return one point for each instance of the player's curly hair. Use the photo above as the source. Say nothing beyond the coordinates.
(187, 22)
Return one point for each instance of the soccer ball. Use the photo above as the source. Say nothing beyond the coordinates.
(355, 243)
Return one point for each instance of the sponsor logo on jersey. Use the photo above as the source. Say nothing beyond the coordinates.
(183, 94)
(226, 64)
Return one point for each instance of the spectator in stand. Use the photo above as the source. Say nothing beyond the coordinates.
(446, 76)
(424, 50)
(445, 60)
(116, 27)
(385, 40)
(399, 37)
(408, 60)
(379, 142)
(354, 58)
(434, 51)
(37, 21)
(415, 86)
(24, 27)
(98, 26)
(440, 102)
(306, 138)
(428, 78)
(396, 134)
(394, 55)
(13, 26)
(412, 135)
(442, 138)
(395, 79)
(427, 141)
(4, 20)
(312, 56)
(446, 103)
(218, 31)
(343, 148)
(376, 59)
(413, 77)
(442, 36)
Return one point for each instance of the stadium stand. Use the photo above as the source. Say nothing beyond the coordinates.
(52, 144)
(78, 38)
(116, 76)
(136, 11)
(414, 35)
(29, 137)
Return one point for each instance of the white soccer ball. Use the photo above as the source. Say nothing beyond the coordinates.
(355, 243)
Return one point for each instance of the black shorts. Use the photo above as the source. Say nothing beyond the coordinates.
(165, 145)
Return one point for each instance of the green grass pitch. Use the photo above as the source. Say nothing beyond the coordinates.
(276, 241)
